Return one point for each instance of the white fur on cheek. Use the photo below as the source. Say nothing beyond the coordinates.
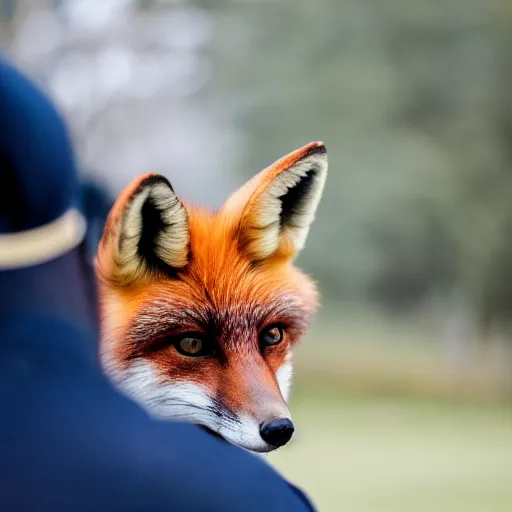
(185, 401)
(284, 377)
(177, 400)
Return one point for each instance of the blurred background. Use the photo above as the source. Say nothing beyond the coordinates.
(403, 392)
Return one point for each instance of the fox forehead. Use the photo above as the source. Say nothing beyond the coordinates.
(219, 287)
(217, 264)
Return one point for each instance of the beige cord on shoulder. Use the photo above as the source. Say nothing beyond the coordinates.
(44, 243)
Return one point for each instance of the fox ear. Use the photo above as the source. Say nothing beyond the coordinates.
(146, 231)
(278, 205)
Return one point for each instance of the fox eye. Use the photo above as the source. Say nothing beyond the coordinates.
(271, 335)
(193, 346)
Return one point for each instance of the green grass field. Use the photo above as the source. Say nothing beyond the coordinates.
(378, 454)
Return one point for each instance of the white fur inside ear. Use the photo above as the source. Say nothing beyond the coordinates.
(170, 243)
(287, 207)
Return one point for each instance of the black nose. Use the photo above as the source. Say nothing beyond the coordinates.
(277, 432)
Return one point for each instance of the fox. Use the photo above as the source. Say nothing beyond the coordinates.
(200, 310)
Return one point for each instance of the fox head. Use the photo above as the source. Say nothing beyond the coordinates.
(200, 309)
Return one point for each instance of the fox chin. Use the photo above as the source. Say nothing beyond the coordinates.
(200, 310)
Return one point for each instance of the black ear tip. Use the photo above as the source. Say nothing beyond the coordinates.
(154, 179)
(316, 148)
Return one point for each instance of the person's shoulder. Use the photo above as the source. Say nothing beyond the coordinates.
(83, 446)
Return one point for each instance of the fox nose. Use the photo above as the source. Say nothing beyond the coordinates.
(277, 432)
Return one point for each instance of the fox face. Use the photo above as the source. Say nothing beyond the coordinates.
(200, 310)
